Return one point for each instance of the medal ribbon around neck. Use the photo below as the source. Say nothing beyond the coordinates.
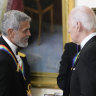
(4, 48)
(75, 58)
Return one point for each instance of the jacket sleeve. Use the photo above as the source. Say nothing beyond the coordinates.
(62, 78)
(5, 73)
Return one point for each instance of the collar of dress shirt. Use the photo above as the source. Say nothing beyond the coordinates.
(87, 39)
(11, 45)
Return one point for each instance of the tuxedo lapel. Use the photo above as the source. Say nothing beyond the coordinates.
(3, 42)
(14, 66)
(14, 62)
(88, 44)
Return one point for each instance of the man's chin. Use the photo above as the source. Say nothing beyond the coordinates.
(74, 42)
(23, 45)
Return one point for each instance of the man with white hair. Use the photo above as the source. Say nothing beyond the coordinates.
(82, 27)
(14, 69)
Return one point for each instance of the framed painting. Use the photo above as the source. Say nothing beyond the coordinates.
(44, 59)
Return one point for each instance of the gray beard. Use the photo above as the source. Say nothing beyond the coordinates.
(21, 44)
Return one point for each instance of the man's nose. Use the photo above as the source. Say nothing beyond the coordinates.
(28, 33)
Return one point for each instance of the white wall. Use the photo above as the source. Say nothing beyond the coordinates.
(89, 3)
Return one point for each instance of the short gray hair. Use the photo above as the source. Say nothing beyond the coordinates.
(12, 20)
(87, 20)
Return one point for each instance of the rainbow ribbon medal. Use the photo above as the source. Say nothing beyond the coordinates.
(74, 59)
(4, 48)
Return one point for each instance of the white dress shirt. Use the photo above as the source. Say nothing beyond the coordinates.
(13, 48)
(87, 39)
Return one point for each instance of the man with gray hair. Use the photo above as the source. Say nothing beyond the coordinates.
(82, 27)
(14, 69)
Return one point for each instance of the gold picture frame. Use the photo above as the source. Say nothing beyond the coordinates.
(49, 80)
(44, 80)
(67, 5)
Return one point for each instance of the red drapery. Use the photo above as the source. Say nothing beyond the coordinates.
(15, 5)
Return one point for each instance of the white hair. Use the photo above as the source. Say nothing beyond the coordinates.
(12, 20)
(81, 14)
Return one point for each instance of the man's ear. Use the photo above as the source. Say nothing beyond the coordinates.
(79, 26)
(10, 33)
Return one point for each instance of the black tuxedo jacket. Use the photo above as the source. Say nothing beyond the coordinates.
(12, 82)
(83, 79)
(63, 79)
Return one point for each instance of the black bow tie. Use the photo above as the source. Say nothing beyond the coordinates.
(18, 49)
